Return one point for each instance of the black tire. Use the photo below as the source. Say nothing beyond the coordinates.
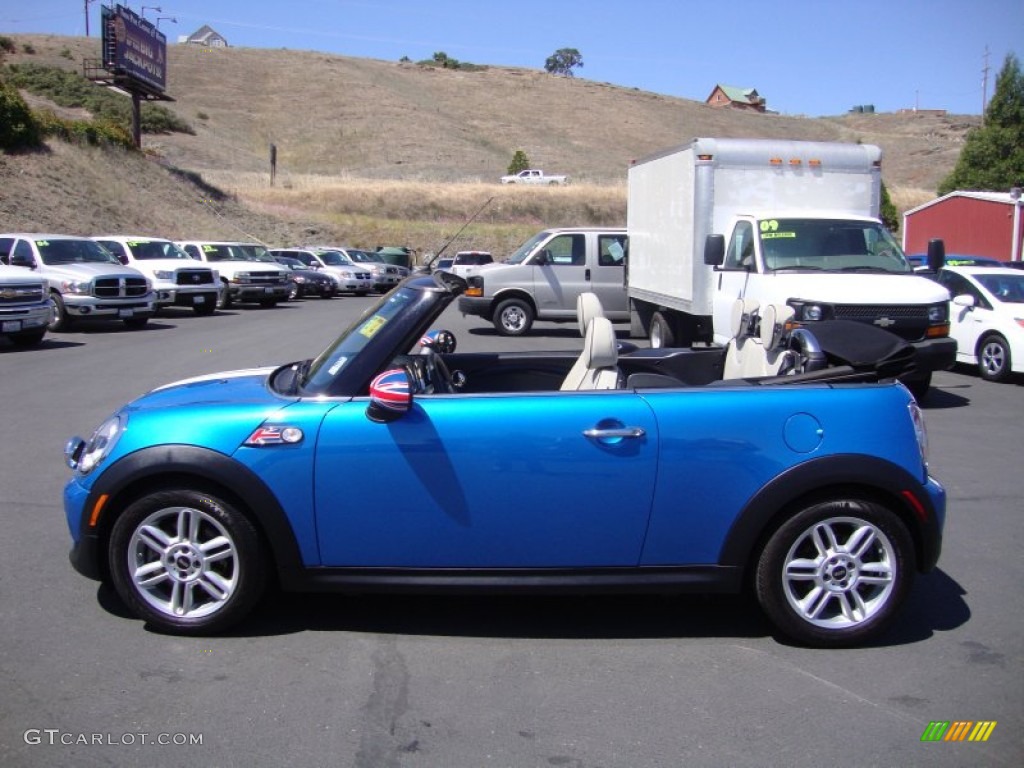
(994, 363)
(136, 322)
(662, 336)
(27, 338)
(61, 320)
(268, 303)
(919, 386)
(836, 573)
(164, 568)
(223, 297)
(513, 317)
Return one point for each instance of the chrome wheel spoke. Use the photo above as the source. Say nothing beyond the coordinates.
(218, 548)
(861, 541)
(154, 538)
(150, 575)
(802, 570)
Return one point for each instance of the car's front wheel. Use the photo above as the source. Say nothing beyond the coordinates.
(186, 562)
(994, 358)
(60, 320)
(835, 573)
(513, 317)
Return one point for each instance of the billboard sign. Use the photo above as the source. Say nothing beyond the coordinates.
(134, 48)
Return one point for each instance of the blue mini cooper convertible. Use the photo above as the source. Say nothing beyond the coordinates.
(615, 469)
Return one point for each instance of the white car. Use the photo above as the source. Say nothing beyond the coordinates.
(987, 318)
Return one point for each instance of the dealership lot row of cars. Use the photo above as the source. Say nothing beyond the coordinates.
(129, 278)
(51, 281)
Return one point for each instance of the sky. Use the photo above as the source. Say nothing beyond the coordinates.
(805, 57)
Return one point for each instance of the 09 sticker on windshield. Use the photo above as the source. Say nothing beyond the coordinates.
(770, 230)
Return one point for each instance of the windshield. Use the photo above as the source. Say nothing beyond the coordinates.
(364, 256)
(334, 259)
(225, 252)
(1008, 288)
(156, 249)
(74, 252)
(256, 252)
(832, 245)
(333, 360)
(524, 250)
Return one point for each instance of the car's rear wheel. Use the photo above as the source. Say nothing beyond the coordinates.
(994, 358)
(186, 562)
(835, 573)
(513, 317)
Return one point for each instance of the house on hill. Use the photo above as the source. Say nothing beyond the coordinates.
(736, 98)
(206, 36)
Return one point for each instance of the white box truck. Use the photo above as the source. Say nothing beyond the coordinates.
(773, 221)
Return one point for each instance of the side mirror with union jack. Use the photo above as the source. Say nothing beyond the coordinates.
(390, 396)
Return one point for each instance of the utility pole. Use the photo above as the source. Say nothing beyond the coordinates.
(984, 84)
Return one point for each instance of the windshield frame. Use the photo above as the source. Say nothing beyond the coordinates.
(52, 252)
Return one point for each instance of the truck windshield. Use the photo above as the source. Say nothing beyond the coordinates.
(524, 250)
(831, 245)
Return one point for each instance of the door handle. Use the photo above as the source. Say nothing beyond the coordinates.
(600, 434)
(586, 274)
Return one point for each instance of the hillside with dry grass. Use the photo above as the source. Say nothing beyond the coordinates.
(373, 152)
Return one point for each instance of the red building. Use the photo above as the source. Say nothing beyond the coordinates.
(970, 223)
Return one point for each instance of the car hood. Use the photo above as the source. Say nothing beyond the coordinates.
(89, 270)
(846, 287)
(150, 265)
(217, 411)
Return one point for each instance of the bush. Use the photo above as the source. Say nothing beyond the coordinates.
(18, 127)
(6, 44)
(68, 89)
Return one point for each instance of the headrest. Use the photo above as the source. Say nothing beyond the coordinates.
(774, 318)
(599, 347)
(588, 306)
(743, 313)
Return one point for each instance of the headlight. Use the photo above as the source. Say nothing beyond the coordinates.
(84, 456)
(938, 313)
(346, 274)
(241, 277)
(76, 286)
(163, 275)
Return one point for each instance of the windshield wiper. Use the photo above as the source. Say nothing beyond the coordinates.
(864, 268)
(798, 268)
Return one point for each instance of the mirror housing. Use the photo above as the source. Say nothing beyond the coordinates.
(714, 250)
(964, 300)
(936, 254)
(390, 396)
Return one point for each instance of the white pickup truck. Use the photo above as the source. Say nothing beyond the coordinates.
(533, 176)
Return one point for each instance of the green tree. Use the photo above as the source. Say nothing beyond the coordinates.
(563, 62)
(520, 162)
(889, 215)
(18, 127)
(993, 155)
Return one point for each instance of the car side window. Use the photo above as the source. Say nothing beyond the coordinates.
(193, 251)
(5, 249)
(117, 249)
(740, 254)
(611, 250)
(22, 255)
(958, 285)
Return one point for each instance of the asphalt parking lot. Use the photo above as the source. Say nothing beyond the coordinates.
(318, 680)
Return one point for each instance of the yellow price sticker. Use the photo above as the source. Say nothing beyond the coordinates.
(371, 326)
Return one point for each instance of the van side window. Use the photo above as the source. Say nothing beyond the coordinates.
(741, 248)
(611, 250)
(566, 250)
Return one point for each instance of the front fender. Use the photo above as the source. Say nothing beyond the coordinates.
(168, 465)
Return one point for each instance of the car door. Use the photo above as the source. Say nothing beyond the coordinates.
(473, 481)
(560, 274)
(966, 324)
(732, 278)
